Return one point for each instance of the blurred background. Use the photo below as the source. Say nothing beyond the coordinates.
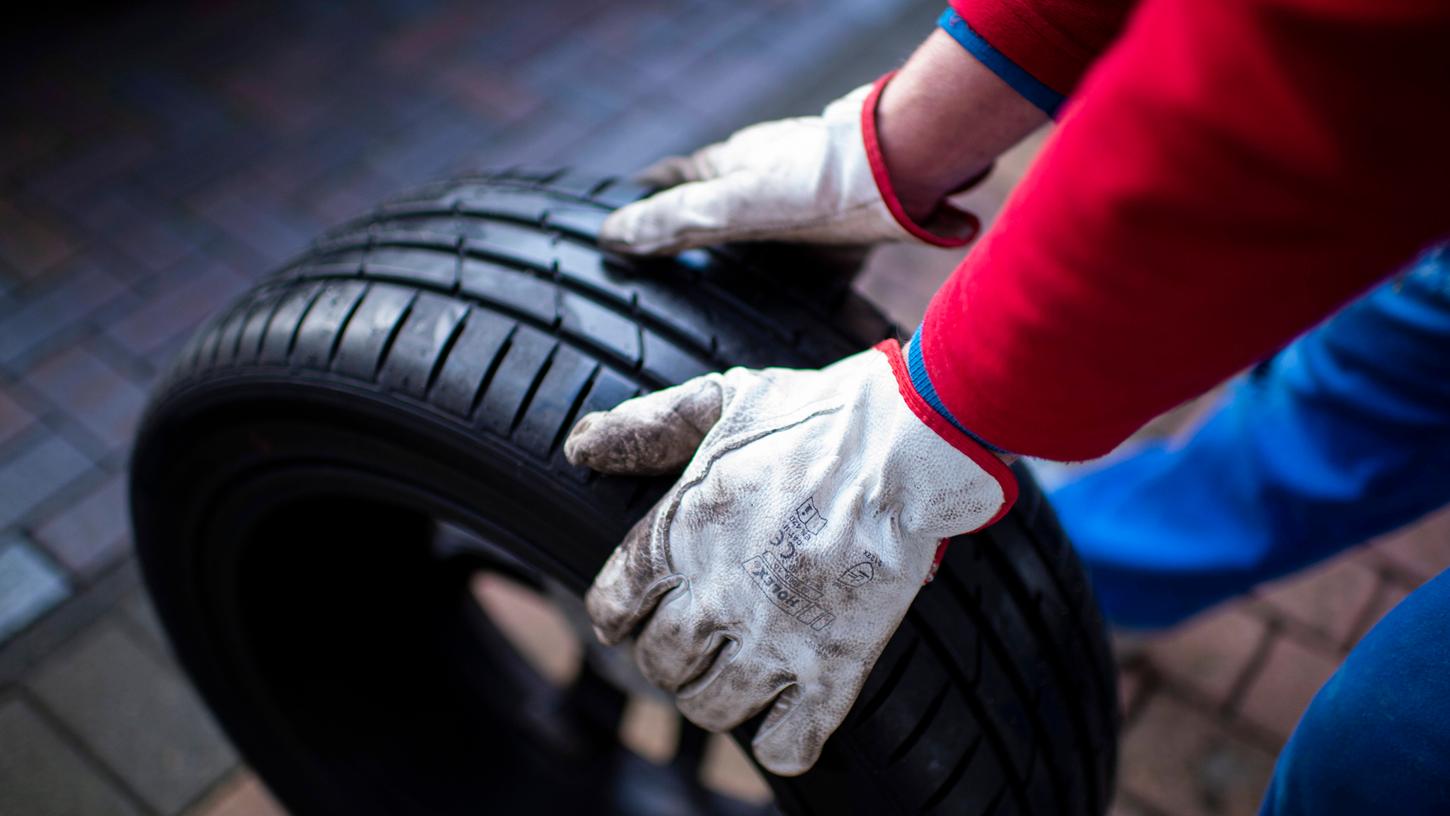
(156, 157)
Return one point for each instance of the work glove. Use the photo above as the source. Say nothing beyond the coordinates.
(814, 179)
(812, 508)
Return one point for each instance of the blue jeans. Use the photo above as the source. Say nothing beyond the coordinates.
(1341, 436)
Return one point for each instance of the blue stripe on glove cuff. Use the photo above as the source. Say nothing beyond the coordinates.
(1022, 82)
(921, 381)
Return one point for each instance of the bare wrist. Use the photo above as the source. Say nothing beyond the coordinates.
(942, 120)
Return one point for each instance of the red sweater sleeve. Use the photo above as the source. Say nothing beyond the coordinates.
(1231, 172)
(1053, 40)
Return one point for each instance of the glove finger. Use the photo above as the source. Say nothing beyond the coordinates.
(669, 172)
(733, 690)
(649, 435)
(795, 731)
(693, 214)
(631, 582)
(678, 644)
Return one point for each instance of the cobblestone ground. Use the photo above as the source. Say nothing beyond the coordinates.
(158, 158)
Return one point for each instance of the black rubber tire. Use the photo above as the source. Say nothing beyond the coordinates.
(434, 354)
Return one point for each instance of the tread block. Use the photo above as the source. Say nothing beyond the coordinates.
(419, 343)
(512, 289)
(524, 205)
(469, 362)
(600, 326)
(512, 244)
(666, 362)
(551, 408)
(368, 332)
(427, 268)
(514, 380)
(277, 343)
(318, 334)
(587, 268)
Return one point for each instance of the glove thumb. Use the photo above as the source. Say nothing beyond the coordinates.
(649, 435)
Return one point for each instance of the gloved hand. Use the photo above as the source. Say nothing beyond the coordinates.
(811, 510)
(814, 179)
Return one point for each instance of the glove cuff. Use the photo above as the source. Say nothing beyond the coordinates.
(877, 161)
(983, 458)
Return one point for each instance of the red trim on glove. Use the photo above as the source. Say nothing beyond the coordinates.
(984, 459)
(883, 180)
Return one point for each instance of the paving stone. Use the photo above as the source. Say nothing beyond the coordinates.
(1181, 761)
(137, 715)
(246, 796)
(1124, 806)
(41, 774)
(30, 245)
(30, 586)
(250, 215)
(1290, 677)
(35, 473)
(174, 311)
(92, 533)
(156, 237)
(1422, 550)
(13, 418)
(1130, 688)
(90, 391)
(1330, 599)
(45, 316)
(1387, 597)
(1210, 653)
(142, 616)
(70, 182)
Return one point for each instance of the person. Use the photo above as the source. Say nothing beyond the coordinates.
(1223, 176)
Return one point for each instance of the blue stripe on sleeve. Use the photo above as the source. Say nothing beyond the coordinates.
(921, 381)
(1022, 82)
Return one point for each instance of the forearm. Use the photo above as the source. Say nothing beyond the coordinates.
(943, 119)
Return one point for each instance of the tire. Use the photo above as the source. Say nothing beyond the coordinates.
(333, 458)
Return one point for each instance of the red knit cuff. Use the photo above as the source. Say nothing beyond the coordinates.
(984, 459)
(888, 193)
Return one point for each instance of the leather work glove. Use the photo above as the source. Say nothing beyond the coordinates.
(812, 507)
(813, 179)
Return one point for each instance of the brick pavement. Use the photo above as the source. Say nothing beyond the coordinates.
(169, 154)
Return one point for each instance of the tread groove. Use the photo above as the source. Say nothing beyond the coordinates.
(488, 375)
(572, 414)
(913, 736)
(342, 324)
(890, 683)
(397, 328)
(446, 349)
(297, 324)
(539, 374)
(955, 776)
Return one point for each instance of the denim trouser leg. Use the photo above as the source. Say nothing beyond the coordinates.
(1376, 738)
(1345, 434)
